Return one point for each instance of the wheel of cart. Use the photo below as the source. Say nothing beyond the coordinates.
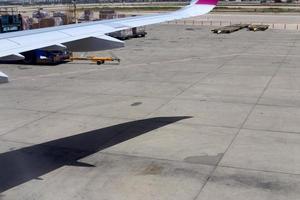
(100, 62)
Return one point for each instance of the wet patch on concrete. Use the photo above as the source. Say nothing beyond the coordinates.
(153, 39)
(189, 173)
(24, 67)
(169, 170)
(153, 169)
(206, 160)
(257, 182)
(189, 29)
(137, 103)
(138, 49)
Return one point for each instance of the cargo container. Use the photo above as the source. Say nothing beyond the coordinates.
(129, 33)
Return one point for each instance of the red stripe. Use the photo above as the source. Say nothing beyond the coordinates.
(208, 2)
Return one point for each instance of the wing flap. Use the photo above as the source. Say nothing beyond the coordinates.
(55, 47)
(16, 56)
(95, 43)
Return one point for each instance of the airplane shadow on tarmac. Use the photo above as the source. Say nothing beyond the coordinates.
(22, 165)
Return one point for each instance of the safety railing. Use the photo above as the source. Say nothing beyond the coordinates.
(278, 26)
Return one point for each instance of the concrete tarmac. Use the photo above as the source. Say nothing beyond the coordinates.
(187, 115)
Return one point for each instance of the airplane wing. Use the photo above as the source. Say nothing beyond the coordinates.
(90, 36)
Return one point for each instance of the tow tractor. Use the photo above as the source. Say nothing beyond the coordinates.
(46, 57)
(53, 57)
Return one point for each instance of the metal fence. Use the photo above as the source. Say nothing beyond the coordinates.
(277, 26)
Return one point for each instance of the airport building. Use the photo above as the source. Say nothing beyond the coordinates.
(99, 1)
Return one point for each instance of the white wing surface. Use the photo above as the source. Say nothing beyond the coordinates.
(90, 36)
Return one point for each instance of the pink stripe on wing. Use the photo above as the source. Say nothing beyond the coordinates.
(207, 2)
